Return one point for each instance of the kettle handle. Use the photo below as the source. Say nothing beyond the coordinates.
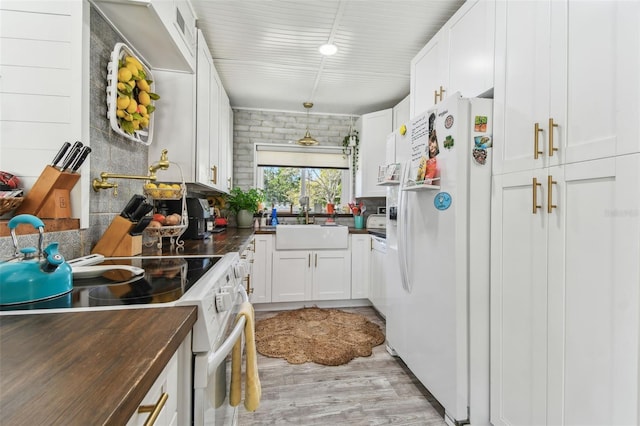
(26, 218)
(29, 220)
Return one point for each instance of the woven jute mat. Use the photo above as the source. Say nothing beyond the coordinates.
(323, 336)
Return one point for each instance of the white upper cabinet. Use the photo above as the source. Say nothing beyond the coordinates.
(163, 32)
(429, 75)
(374, 128)
(557, 101)
(401, 114)
(459, 58)
(471, 48)
(200, 141)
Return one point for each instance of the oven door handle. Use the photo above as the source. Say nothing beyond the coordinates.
(214, 359)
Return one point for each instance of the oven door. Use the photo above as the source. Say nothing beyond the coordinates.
(212, 376)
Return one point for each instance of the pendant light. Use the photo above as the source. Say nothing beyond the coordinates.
(307, 140)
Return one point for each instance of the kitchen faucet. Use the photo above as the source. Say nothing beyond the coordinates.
(306, 217)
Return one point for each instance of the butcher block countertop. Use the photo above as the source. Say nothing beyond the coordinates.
(88, 368)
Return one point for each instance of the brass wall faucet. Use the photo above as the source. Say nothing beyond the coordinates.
(103, 182)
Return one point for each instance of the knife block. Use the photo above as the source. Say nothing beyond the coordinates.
(116, 240)
(49, 198)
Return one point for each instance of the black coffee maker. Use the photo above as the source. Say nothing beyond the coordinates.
(200, 219)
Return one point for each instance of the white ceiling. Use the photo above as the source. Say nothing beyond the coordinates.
(266, 52)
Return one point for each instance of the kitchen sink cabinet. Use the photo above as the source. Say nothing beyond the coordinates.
(360, 264)
(262, 269)
(373, 129)
(459, 58)
(301, 275)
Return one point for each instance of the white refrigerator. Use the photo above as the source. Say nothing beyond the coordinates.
(438, 250)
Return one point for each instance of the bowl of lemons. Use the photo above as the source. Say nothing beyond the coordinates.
(163, 190)
(130, 95)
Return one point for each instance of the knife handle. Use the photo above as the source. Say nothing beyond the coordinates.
(60, 154)
(142, 210)
(81, 157)
(73, 152)
(131, 206)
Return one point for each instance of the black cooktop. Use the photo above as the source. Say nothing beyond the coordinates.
(165, 280)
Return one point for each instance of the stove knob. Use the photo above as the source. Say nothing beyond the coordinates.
(223, 301)
(240, 269)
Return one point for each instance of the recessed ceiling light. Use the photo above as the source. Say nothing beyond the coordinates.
(328, 49)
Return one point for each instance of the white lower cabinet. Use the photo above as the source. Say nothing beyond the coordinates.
(565, 288)
(261, 270)
(377, 289)
(360, 265)
(162, 399)
(300, 275)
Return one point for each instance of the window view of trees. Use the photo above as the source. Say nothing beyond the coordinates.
(283, 186)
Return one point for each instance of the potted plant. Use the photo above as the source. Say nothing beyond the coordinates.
(244, 204)
(351, 143)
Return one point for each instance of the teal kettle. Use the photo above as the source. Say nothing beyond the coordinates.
(33, 274)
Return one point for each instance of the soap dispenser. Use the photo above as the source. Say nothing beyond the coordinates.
(274, 216)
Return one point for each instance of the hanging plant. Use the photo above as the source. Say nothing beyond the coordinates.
(352, 141)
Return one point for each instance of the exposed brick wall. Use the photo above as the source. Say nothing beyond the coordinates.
(253, 126)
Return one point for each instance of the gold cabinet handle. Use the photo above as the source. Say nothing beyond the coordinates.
(536, 151)
(154, 409)
(550, 183)
(249, 289)
(214, 174)
(435, 97)
(442, 93)
(551, 147)
(535, 195)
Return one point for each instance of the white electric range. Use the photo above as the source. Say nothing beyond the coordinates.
(214, 284)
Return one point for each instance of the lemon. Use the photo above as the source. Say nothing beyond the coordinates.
(151, 186)
(123, 102)
(144, 122)
(124, 74)
(120, 113)
(143, 85)
(176, 186)
(136, 124)
(134, 61)
(121, 86)
(133, 69)
(132, 107)
(144, 98)
(142, 110)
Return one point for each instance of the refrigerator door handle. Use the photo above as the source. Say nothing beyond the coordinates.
(403, 217)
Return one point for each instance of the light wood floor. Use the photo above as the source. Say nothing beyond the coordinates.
(376, 390)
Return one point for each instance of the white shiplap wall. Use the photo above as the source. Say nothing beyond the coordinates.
(43, 88)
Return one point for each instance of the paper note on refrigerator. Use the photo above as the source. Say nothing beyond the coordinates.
(419, 142)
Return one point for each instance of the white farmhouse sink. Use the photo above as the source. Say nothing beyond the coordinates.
(311, 237)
